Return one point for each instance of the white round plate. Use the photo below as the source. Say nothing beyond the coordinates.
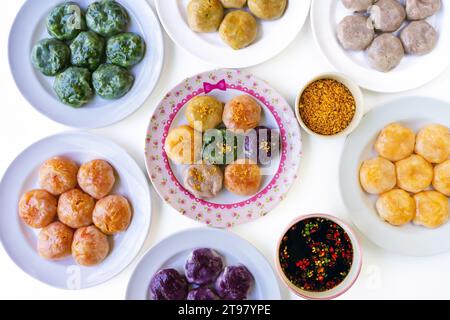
(413, 71)
(20, 240)
(414, 112)
(273, 36)
(225, 210)
(174, 250)
(29, 28)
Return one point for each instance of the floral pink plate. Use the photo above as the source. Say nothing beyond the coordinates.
(226, 210)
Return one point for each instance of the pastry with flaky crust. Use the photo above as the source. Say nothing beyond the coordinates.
(441, 180)
(90, 246)
(396, 207)
(75, 208)
(58, 175)
(414, 174)
(432, 209)
(243, 178)
(112, 214)
(433, 143)
(55, 241)
(96, 178)
(37, 208)
(377, 175)
(395, 142)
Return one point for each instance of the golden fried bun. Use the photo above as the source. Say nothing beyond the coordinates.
(90, 246)
(238, 29)
(395, 142)
(377, 175)
(414, 174)
(55, 241)
(396, 207)
(183, 145)
(267, 9)
(75, 208)
(204, 113)
(433, 143)
(112, 214)
(205, 15)
(58, 175)
(203, 180)
(96, 178)
(441, 180)
(242, 177)
(236, 4)
(431, 209)
(37, 208)
(242, 113)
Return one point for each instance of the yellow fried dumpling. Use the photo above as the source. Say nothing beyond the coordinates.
(204, 113)
(267, 9)
(432, 209)
(395, 142)
(433, 143)
(238, 29)
(205, 15)
(396, 207)
(414, 174)
(377, 175)
(183, 145)
(441, 180)
(233, 3)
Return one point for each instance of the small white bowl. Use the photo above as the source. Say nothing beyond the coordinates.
(354, 89)
(346, 284)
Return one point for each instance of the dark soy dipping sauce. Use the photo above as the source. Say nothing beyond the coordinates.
(316, 254)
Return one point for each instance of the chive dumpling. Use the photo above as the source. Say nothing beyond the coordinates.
(88, 50)
(111, 81)
(66, 21)
(107, 17)
(125, 49)
(73, 86)
(50, 56)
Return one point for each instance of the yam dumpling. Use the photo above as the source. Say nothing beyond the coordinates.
(387, 15)
(385, 52)
(419, 37)
(355, 32)
(422, 9)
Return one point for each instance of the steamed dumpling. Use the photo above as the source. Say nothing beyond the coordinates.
(203, 266)
(242, 113)
(419, 37)
(203, 180)
(377, 175)
(183, 145)
(414, 174)
(55, 241)
(168, 284)
(387, 15)
(385, 52)
(267, 9)
(238, 29)
(441, 180)
(432, 209)
(204, 113)
(355, 32)
(422, 9)
(357, 5)
(234, 283)
(433, 143)
(205, 15)
(396, 207)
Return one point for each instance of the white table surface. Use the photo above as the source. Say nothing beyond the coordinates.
(383, 276)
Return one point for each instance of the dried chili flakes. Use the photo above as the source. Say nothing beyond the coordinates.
(316, 254)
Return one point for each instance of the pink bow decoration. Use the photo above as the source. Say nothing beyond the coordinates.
(221, 85)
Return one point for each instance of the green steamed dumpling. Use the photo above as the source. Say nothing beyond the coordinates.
(125, 49)
(87, 50)
(73, 86)
(66, 21)
(50, 56)
(107, 17)
(111, 81)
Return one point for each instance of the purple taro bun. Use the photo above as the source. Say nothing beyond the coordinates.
(203, 266)
(234, 283)
(202, 294)
(168, 284)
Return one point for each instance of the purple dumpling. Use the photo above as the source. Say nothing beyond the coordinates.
(234, 283)
(262, 145)
(203, 266)
(168, 284)
(202, 294)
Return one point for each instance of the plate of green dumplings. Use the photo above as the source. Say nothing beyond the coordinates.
(86, 63)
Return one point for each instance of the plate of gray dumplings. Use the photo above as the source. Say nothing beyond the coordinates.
(384, 44)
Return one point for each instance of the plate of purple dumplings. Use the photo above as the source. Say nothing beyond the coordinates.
(203, 264)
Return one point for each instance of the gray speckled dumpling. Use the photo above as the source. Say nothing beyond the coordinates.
(385, 52)
(422, 9)
(355, 32)
(387, 15)
(419, 38)
(357, 5)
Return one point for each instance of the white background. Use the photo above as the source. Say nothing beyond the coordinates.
(383, 276)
